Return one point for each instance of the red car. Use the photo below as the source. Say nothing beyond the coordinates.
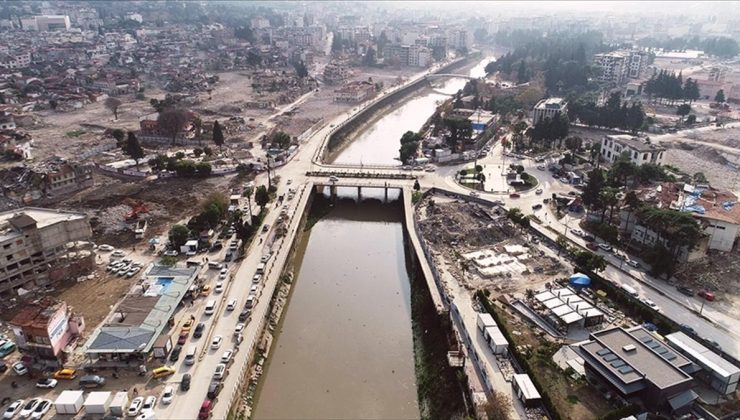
(183, 337)
(205, 410)
(592, 246)
(514, 195)
(707, 295)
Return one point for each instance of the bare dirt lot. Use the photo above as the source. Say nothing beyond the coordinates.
(719, 272)
(454, 228)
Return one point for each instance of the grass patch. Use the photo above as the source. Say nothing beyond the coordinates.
(416, 196)
(75, 133)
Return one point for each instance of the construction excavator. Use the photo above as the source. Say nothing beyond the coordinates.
(137, 207)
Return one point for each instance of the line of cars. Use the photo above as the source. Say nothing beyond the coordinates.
(125, 267)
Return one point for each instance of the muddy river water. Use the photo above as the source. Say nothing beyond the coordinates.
(344, 349)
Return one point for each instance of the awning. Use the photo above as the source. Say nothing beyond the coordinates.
(683, 399)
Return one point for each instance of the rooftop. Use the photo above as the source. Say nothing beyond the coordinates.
(551, 103)
(634, 355)
(702, 355)
(36, 314)
(635, 143)
(13, 220)
(140, 317)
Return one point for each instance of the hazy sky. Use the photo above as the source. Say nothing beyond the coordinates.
(612, 7)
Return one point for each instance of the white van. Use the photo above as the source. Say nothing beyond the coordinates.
(210, 307)
(215, 265)
(629, 289)
(261, 268)
(190, 355)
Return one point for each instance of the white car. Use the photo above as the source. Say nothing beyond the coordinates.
(650, 303)
(474, 194)
(19, 368)
(605, 247)
(216, 342)
(577, 232)
(231, 305)
(105, 248)
(46, 383)
(239, 328)
(222, 275)
(253, 290)
(633, 263)
(226, 357)
(219, 287)
(41, 409)
(135, 406)
(29, 407)
(170, 253)
(149, 404)
(333, 179)
(220, 371)
(118, 253)
(168, 394)
(13, 409)
(538, 191)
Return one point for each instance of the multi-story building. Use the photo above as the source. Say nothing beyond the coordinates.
(409, 55)
(32, 240)
(44, 328)
(46, 23)
(619, 66)
(549, 108)
(15, 60)
(354, 92)
(335, 73)
(638, 150)
(634, 364)
(461, 39)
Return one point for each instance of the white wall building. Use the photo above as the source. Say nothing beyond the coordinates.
(619, 66)
(46, 23)
(549, 108)
(639, 150)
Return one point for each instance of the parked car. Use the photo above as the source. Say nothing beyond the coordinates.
(105, 248)
(244, 315)
(205, 410)
(171, 253)
(514, 195)
(239, 328)
(213, 389)
(685, 290)
(135, 406)
(333, 179)
(41, 409)
(220, 371)
(185, 382)
(687, 329)
(219, 287)
(577, 232)
(117, 253)
(226, 357)
(13, 409)
(92, 381)
(633, 263)
(650, 303)
(707, 295)
(188, 325)
(474, 194)
(536, 206)
(538, 191)
(46, 383)
(199, 330)
(29, 407)
(183, 338)
(168, 394)
(592, 246)
(175, 354)
(19, 368)
(149, 403)
(588, 237)
(65, 374)
(605, 247)
(216, 342)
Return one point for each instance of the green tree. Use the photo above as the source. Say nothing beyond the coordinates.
(683, 110)
(720, 96)
(595, 184)
(588, 261)
(281, 139)
(172, 122)
(203, 169)
(409, 145)
(185, 168)
(218, 135)
(133, 149)
(178, 235)
(261, 196)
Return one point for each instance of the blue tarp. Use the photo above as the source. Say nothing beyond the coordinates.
(580, 279)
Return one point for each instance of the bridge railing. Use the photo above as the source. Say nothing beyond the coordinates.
(363, 174)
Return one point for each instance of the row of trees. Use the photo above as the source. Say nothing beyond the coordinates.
(670, 87)
(548, 130)
(613, 114)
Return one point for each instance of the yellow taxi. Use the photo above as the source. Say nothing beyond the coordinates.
(188, 325)
(65, 374)
(206, 290)
(162, 372)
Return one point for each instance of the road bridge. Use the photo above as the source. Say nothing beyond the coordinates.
(449, 75)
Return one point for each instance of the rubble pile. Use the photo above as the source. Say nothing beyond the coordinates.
(463, 223)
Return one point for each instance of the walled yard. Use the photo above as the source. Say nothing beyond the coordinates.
(482, 249)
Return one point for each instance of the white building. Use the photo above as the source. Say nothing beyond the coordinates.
(619, 66)
(549, 108)
(46, 23)
(461, 39)
(639, 150)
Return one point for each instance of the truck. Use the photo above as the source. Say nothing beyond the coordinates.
(629, 289)
(119, 404)
(69, 402)
(140, 229)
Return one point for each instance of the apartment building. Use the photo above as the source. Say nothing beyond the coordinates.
(409, 55)
(15, 60)
(354, 92)
(33, 246)
(620, 66)
(639, 150)
(549, 108)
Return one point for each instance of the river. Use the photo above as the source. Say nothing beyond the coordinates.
(345, 347)
(379, 143)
